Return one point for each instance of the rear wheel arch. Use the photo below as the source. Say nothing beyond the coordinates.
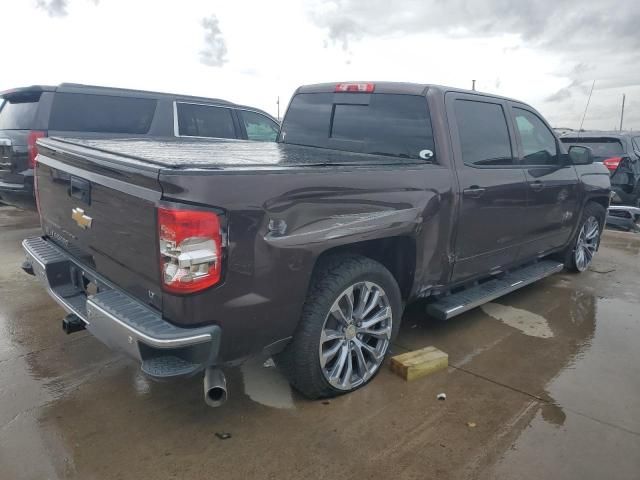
(305, 361)
(396, 254)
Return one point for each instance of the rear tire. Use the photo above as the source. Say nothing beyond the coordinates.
(586, 241)
(351, 315)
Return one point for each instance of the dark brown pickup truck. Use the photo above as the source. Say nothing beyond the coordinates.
(191, 255)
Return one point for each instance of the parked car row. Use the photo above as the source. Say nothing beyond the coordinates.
(29, 113)
(194, 254)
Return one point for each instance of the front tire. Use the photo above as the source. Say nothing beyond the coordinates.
(583, 247)
(351, 315)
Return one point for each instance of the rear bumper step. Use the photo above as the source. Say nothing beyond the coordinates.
(457, 303)
(119, 321)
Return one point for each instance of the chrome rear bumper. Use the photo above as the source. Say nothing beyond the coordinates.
(118, 320)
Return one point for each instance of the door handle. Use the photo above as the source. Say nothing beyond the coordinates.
(473, 191)
(536, 186)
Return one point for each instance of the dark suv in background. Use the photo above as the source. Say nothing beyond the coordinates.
(29, 113)
(620, 153)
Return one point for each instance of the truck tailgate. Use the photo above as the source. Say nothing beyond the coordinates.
(104, 214)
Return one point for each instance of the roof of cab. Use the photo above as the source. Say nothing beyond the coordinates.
(406, 88)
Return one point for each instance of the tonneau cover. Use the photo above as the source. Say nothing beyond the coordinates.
(215, 153)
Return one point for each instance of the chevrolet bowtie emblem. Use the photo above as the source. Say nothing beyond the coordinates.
(83, 221)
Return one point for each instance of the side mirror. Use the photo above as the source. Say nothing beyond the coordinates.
(579, 155)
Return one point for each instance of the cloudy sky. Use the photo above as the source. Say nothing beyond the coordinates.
(546, 53)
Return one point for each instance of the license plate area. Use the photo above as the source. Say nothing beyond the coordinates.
(83, 282)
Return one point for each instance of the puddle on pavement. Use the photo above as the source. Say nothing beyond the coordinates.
(265, 384)
(592, 423)
(553, 414)
(527, 322)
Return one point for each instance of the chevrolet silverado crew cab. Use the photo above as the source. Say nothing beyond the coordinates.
(29, 113)
(191, 255)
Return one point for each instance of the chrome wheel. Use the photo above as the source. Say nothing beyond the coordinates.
(587, 243)
(355, 336)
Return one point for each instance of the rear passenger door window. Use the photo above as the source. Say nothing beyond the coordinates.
(195, 120)
(539, 145)
(483, 132)
(259, 127)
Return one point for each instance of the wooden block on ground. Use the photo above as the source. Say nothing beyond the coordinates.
(416, 364)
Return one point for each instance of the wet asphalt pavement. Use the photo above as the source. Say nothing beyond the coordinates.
(543, 383)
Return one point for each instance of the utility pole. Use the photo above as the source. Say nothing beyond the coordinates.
(278, 103)
(473, 85)
(622, 112)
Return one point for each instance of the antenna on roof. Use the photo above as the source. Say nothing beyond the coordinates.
(586, 108)
(278, 103)
(473, 85)
(622, 112)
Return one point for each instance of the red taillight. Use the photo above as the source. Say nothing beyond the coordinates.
(32, 148)
(612, 163)
(355, 87)
(190, 249)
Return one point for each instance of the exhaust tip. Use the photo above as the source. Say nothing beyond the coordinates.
(216, 397)
(215, 387)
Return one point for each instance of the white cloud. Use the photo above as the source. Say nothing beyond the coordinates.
(54, 8)
(263, 51)
(215, 50)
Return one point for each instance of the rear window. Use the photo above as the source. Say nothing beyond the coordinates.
(601, 147)
(75, 112)
(380, 123)
(18, 112)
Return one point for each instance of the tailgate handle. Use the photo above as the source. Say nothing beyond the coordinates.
(80, 189)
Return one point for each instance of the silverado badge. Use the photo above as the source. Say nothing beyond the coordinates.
(83, 221)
